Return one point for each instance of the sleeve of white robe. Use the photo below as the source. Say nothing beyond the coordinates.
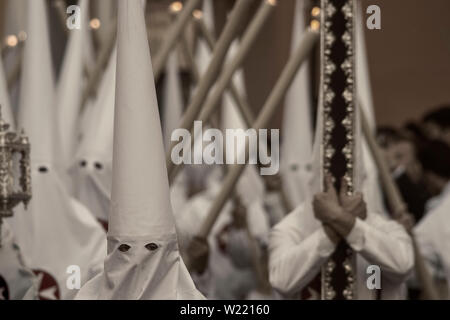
(384, 243)
(428, 235)
(295, 258)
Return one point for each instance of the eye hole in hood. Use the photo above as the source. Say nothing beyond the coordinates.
(124, 247)
(98, 166)
(151, 246)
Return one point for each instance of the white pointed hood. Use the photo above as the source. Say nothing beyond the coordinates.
(141, 224)
(70, 89)
(365, 98)
(36, 112)
(55, 231)
(296, 148)
(139, 205)
(362, 69)
(92, 166)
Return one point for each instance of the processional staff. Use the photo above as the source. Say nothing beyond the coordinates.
(337, 99)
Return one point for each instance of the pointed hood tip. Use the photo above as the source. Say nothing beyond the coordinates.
(140, 204)
(36, 113)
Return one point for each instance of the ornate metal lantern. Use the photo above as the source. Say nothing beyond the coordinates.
(15, 172)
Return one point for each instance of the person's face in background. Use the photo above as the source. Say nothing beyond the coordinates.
(402, 154)
(445, 136)
(434, 183)
(434, 132)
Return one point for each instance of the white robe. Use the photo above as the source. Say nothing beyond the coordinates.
(298, 249)
(433, 238)
(55, 232)
(17, 281)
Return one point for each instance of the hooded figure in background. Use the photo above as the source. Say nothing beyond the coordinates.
(69, 90)
(55, 232)
(143, 259)
(300, 244)
(92, 168)
(296, 148)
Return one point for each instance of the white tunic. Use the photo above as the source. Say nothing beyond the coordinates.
(299, 247)
(433, 238)
(17, 281)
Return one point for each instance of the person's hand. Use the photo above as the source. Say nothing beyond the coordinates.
(406, 220)
(353, 204)
(331, 234)
(326, 204)
(198, 252)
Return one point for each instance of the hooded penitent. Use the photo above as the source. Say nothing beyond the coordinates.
(55, 231)
(296, 145)
(299, 246)
(92, 167)
(143, 259)
(70, 89)
(365, 100)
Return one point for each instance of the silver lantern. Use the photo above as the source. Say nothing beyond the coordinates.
(15, 170)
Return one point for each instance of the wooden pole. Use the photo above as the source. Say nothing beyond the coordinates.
(270, 107)
(398, 208)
